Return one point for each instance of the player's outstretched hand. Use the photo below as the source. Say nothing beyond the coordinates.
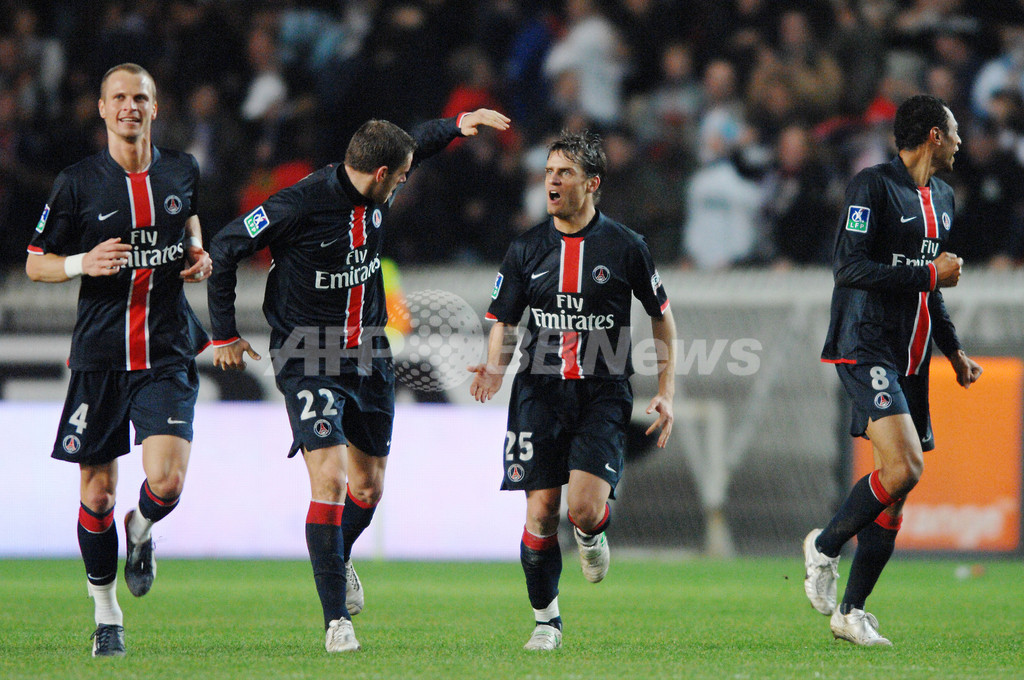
(486, 382)
(232, 357)
(201, 265)
(471, 121)
(663, 405)
(106, 259)
(967, 369)
(947, 270)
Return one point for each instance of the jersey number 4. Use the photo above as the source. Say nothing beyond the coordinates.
(78, 418)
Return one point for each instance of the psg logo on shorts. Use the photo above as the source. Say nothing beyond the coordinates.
(516, 472)
(601, 274)
(883, 400)
(376, 218)
(71, 443)
(322, 428)
(172, 204)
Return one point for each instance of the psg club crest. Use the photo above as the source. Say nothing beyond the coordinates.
(172, 204)
(322, 428)
(376, 218)
(601, 274)
(71, 443)
(516, 472)
(883, 400)
(946, 222)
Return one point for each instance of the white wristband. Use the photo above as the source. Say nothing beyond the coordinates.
(73, 265)
(195, 241)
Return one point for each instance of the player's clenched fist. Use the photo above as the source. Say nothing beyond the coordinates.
(947, 270)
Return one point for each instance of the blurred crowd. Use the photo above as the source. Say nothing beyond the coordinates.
(731, 126)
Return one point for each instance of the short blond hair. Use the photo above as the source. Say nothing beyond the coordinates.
(130, 68)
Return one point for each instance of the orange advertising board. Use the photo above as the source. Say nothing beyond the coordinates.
(969, 497)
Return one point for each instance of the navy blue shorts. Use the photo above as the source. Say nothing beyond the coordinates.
(878, 391)
(94, 426)
(556, 425)
(332, 410)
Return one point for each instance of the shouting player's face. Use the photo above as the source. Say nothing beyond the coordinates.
(949, 143)
(391, 181)
(128, 105)
(567, 186)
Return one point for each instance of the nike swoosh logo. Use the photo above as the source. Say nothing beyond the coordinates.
(610, 469)
(324, 244)
(538, 274)
(109, 214)
(907, 219)
(172, 421)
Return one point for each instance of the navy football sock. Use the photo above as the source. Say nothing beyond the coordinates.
(153, 507)
(324, 541)
(866, 501)
(542, 564)
(97, 539)
(875, 545)
(356, 518)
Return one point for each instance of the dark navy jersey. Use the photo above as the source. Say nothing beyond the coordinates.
(138, 318)
(325, 239)
(577, 290)
(885, 305)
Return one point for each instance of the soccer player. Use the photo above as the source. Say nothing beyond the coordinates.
(889, 265)
(125, 222)
(571, 400)
(325, 303)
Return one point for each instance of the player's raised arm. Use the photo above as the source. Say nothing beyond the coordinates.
(469, 122)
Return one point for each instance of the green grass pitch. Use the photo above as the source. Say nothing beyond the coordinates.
(746, 618)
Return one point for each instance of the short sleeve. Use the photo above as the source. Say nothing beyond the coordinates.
(645, 281)
(508, 297)
(55, 230)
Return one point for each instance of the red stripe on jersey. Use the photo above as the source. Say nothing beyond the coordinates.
(920, 337)
(94, 524)
(569, 348)
(325, 513)
(357, 227)
(931, 224)
(35, 250)
(140, 197)
(490, 317)
(354, 317)
(664, 306)
(571, 265)
(839, 361)
(932, 276)
(570, 280)
(137, 338)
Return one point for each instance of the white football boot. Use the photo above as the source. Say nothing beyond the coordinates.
(353, 590)
(544, 637)
(341, 637)
(822, 574)
(859, 627)
(594, 557)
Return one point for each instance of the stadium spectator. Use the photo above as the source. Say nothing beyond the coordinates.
(990, 212)
(590, 57)
(566, 430)
(722, 125)
(800, 202)
(132, 207)
(723, 211)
